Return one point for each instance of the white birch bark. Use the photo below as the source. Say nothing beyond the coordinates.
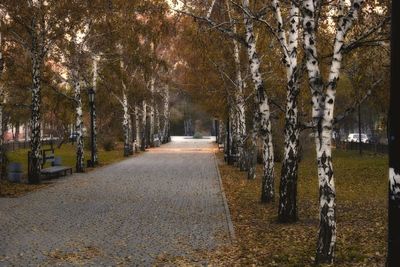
(322, 113)
(80, 159)
(393, 244)
(96, 60)
(165, 131)
(239, 118)
(2, 150)
(152, 111)
(144, 125)
(126, 116)
(263, 111)
(138, 138)
(157, 125)
(1, 106)
(209, 12)
(35, 156)
(125, 121)
(287, 211)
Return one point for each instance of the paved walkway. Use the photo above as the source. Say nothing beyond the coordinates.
(165, 201)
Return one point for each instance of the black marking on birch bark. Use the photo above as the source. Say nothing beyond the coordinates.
(327, 229)
(287, 211)
(35, 162)
(80, 165)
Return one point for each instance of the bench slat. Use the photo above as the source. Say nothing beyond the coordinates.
(55, 169)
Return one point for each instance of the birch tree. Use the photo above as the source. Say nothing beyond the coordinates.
(323, 100)
(76, 83)
(288, 184)
(239, 109)
(166, 116)
(144, 126)
(2, 97)
(262, 115)
(393, 256)
(152, 109)
(35, 25)
(262, 123)
(126, 114)
(138, 138)
(96, 59)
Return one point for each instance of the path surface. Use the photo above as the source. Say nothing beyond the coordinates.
(165, 201)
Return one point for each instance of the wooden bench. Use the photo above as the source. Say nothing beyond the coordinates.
(56, 169)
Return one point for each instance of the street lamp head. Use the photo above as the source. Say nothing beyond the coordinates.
(91, 94)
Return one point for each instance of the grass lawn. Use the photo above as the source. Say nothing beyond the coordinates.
(361, 184)
(66, 152)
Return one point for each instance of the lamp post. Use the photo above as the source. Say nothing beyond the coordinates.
(91, 94)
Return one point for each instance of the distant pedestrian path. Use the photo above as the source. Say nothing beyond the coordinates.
(165, 201)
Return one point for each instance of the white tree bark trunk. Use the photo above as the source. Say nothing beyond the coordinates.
(287, 211)
(35, 157)
(239, 110)
(138, 138)
(94, 83)
(166, 116)
(125, 122)
(393, 256)
(263, 116)
(152, 111)
(144, 125)
(322, 113)
(80, 159)
(2, 152)
(157, 125)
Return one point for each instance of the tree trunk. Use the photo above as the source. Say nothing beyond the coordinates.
(2, 154)
(144, 126)
(157, 125)
(80, 159)
(137, 128)
(263, 111)
(95, 78)
(166, 117)
(152, 112)
(251, 154)
(287, 211)
(239, 110)
(35, 155)
(16, 131)
(393, 256)
(322, 114)
(125, 123)
(359, 130)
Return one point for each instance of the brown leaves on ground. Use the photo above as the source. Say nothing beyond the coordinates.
(80, 256)
(8, 189)
(361, 215)
(261, 241)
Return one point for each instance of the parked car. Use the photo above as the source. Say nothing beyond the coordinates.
(355, 137)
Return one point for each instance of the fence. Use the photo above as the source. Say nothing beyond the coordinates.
(374, 148)
(15, 145)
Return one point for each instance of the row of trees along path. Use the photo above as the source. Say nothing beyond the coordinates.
(125, 50)
(298, 28)
(116, 49)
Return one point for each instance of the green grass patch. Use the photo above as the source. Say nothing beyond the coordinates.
(68, 154)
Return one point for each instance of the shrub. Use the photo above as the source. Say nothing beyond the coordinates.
(197, 136)
(108, 144)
